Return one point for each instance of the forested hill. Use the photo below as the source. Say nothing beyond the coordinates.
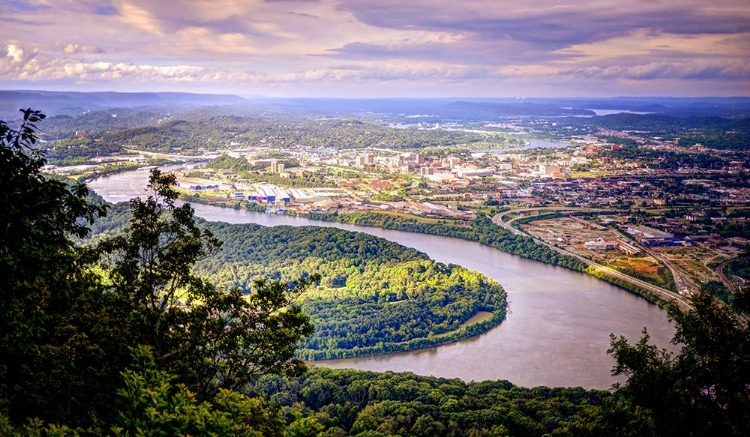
(375, 296)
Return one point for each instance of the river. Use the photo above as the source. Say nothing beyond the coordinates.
(558, 324)
(534, 143)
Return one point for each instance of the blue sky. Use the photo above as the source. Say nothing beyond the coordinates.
(380, 48)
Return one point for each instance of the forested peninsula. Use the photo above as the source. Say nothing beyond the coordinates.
(482, 230)
(375, 296)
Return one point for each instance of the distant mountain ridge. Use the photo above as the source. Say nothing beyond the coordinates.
(69, 102)
(430, 109)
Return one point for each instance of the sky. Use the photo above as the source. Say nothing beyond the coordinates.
(380, 48)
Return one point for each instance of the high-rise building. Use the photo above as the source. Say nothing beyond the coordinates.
(361, 161)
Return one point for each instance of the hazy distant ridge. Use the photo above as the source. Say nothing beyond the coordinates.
(66, 102)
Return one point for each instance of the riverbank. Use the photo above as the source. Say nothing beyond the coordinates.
(481, 230)
(556, 332)
(466, 331)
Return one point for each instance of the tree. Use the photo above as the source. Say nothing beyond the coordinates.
(209, 338)
(44, 347)
(704, 390)
(150, 404)
(71, 314)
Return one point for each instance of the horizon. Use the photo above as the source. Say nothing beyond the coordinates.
(243, 96)
(375, 49)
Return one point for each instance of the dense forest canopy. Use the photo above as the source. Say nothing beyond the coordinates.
(85, 329)
(374, 296)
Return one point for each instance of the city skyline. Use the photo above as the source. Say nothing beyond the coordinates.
(370, 48)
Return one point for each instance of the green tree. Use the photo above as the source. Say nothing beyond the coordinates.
(48, 355)
(209, 338)
(704, 390)
(70, 315)
(150, 404)
(305, 427)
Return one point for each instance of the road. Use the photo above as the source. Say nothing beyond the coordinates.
(509, 224)
(681, 283)
(205, 157)
(666, 295)
(727, 282)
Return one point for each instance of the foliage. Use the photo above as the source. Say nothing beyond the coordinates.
(618, 140)
(201, 130)
(661, 159)
(374, 296)
(47, 298)
(150, 404)
(209, 337)
(719, 290)
(71, 315)
(712, 132)
(351, 402)
(740, 266)
(306, 179)
(236, 164)
(629, 286)
(704, 390)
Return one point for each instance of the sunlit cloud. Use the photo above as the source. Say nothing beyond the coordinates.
(76, 48)
(305, 47)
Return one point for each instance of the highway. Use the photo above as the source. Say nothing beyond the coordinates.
(666, 295)
(727, 282)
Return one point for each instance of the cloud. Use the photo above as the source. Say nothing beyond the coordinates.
(551, 23)
(683, 70)
(24, 64)
(105, 10)
(24, 6)
(88, 49)
(17, 65)
(379, 72)
(140, 18)
(439, 45)
(15, 53)
(461, 51)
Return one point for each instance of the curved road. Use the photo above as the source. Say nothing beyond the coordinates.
(727, 282)
(663, 294)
